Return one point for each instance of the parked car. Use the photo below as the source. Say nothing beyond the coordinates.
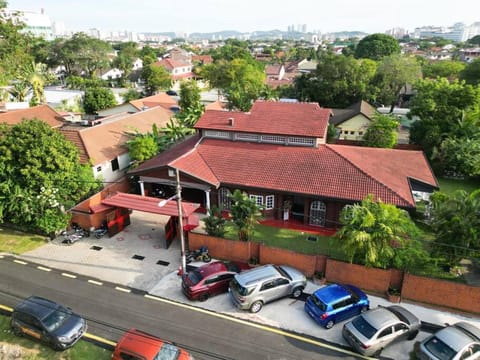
(251, 289)
(334, 303)
(210, 279)
(171, 92)
(454, 342)
(370, 332)
(47, 321)
(139, 345)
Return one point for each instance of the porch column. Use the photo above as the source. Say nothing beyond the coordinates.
(207, 199)
(142, 188)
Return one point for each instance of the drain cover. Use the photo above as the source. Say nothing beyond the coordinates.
(164, 263)
(97, 248)
(138, 257)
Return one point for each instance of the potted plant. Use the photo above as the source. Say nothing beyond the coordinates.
(393, 295)
(319, 278)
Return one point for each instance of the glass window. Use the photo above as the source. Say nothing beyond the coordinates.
(258, 199)
(269, 202)
(439, 349)
(364, 327)
(115, 165)
(224, 198)
(386, 332)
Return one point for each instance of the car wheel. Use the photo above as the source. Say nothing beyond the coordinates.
(412, 335)
(207, 258)
(203, 297)
(363, 309)
(377, 353)
(256, 306)
(297, 292)
(329, 324)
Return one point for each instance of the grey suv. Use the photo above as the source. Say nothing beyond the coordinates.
(251, 289)
(47, 321)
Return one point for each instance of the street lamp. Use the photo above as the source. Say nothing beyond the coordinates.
(178, 197)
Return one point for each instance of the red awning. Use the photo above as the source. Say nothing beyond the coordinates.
(150, 204)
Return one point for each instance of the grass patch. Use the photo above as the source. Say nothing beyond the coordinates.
(291, 240)
(450, 185)
(32, 350)
(17, 242)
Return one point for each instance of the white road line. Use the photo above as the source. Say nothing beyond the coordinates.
(69, 275)
(20, 262)
(43, 268)
(95, 282)
(122, 289)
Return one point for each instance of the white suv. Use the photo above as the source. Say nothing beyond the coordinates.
(251, 289)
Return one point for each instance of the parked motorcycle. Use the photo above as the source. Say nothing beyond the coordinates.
(100, 232)
(198, 255)
(75, 235)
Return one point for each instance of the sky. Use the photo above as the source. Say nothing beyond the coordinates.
(187, 16)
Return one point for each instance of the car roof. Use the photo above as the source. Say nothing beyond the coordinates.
(257, 274)
(458, 336)
(137, 341)
(380, 317)
(37, 306)
(211, 268)
(332, 293)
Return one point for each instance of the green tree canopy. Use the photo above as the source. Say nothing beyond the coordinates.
(40, 176)
(98, 98)
(245, 214)
(382, 132)
(127, 54)
(372, 231)
(377, 46)
(156, 78)
(449, 69)
(471, 73)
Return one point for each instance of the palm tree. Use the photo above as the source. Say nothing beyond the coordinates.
(245, 213)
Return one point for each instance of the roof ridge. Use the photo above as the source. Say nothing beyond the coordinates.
(366, 173)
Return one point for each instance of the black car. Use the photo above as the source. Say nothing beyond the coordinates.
(171, 93)
(47, 321)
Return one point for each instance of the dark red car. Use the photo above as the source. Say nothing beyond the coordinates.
(210, 279)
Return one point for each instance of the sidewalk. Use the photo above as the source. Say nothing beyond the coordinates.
(134, 258)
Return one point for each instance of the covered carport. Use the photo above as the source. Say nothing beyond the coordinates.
(168, 207)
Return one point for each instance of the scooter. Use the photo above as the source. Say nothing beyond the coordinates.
(199, 255)
(78, 233)
(100, 232)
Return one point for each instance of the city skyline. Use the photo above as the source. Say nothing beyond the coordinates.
(248, 16)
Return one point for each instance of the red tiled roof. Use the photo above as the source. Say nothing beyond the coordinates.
(270, 117)
(40, 112)
(171, 64)
(330, 171)
(205, 59)
(161, 99)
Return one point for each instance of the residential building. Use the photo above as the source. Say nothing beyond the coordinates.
(277, 154)
(352, 123)
(36, 23)
(178, 70)
(133, 106)
(40, 112)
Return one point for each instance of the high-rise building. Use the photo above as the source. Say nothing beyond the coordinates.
(37, 24)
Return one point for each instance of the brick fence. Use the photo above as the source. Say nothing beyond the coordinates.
(416, 288)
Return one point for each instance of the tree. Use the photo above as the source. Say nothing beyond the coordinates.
(377, 46)
(242, 81)
(191, 108)
(143, 147)
(382, 132)
(394, 73)
(372, 230)
(456, 223)
(471, 73)
(215, 223)
(156, 78)
(458, 156)
(245, 214)
(474, 40)
(131, 94)
(40, 176)
(98, 98)
(125, 58)
(440, 107)
(449, 69)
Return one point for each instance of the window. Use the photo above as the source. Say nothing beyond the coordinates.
(224, 200)
(269, 202)
(352, 132)
(385, 332)
(99, 169)
(360, 133)
(400, 327)
(318, 211)
(258, 199)
(115, 165)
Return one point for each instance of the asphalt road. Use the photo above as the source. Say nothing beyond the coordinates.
(110, 311)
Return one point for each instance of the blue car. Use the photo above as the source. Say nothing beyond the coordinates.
(334, 303)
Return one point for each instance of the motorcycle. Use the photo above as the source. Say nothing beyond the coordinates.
(78, 233)
(100, 232)
(198, 255)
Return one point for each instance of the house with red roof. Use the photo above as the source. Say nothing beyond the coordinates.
(277, 153)
(178, 69)
(40, 112)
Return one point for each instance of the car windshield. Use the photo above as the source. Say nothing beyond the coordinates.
(283, 272)
(194, 277)
(242, 291)
(319, 303)
(167, 352)
(439, 349)
(56, 318)
(364, 327)
(232, 267)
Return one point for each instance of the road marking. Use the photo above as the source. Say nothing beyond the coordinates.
(259, 326)
(69, 275)
(122, 289)
(1, 256)
(43, 268)
(99, 339)
(20, 262)
(6, 308)
(95, 282)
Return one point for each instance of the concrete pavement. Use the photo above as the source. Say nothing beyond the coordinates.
(134, 258)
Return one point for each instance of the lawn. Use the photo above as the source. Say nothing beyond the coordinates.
(295, 240)
(32, 350)
(16, 242)
(450, 185)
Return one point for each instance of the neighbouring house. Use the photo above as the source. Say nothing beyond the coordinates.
(40, 112)
(178, 70)
(102, 143)
(133, 106)
(278, 155)
(59, 97)
(352, 123)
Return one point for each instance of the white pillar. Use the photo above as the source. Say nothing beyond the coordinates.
(207, 199)
(142, 188)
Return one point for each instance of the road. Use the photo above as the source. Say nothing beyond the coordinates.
(110, 311)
